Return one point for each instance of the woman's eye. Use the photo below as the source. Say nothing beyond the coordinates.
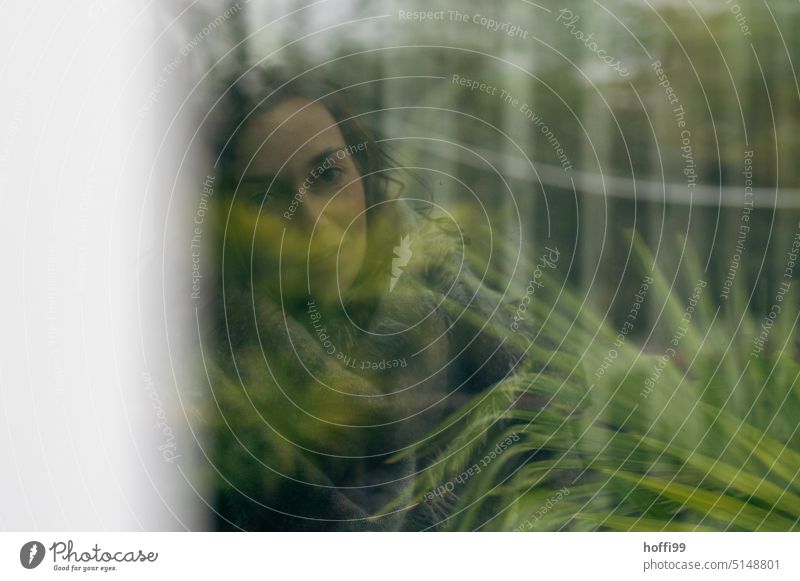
(260, 198)
(259, 192)
(255, 196)
(330, 175)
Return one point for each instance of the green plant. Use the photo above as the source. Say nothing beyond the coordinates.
(691, 430)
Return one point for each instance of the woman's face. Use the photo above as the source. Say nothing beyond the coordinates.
(297, 155)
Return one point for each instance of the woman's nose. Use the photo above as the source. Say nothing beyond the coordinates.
(312, 211)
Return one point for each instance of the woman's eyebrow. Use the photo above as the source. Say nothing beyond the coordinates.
(314, 162)
(261, 179)
(320, 158)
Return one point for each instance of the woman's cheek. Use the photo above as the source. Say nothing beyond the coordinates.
(250, 232)
(349, 214)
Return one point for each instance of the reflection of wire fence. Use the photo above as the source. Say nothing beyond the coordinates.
(606, 185)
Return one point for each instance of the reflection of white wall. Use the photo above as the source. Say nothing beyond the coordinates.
(78, 445)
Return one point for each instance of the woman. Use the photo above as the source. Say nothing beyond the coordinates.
(349, 323)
